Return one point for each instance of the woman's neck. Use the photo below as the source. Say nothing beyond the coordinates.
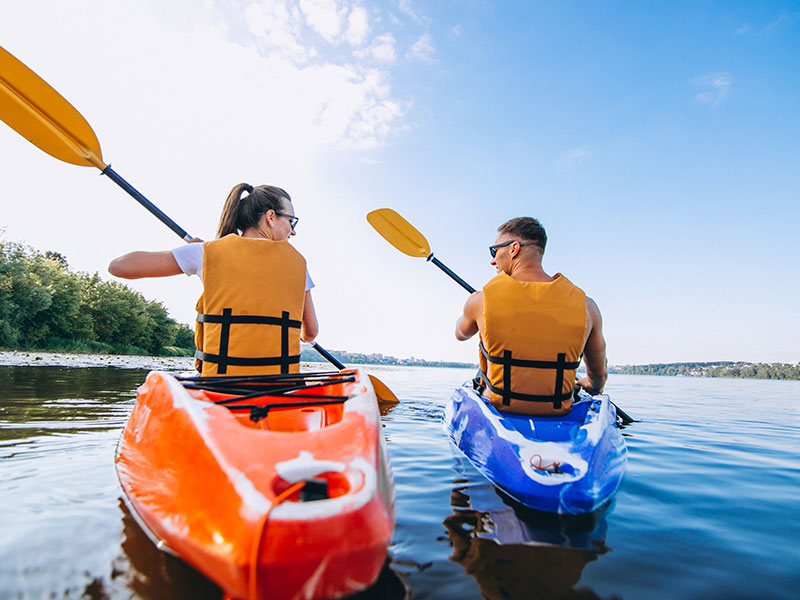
(256, 233)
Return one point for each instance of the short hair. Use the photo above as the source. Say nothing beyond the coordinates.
(527, 228)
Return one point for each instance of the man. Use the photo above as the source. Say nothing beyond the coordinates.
(533, 328)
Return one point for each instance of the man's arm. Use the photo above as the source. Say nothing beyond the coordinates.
(467, 324)
(594, 352)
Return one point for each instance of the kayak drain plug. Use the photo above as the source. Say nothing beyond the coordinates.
(314, 489)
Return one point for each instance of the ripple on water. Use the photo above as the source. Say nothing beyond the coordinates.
(705, 510)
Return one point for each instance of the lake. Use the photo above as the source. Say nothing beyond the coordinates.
(707, 508)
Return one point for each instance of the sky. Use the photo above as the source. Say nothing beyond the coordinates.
(658, 143)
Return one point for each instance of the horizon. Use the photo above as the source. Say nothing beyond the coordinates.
(658, 145)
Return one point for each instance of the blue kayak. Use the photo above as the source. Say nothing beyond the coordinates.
(568, 465)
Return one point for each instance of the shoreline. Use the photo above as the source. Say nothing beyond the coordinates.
(34, 358)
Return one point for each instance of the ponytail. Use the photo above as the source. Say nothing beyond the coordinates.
(240, 213)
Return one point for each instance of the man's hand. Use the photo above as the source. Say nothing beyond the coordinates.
(592, 387)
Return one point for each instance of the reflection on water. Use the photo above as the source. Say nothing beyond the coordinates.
(514, 552)
(509, 522)
(52, 400)
(154, 574)
(157, 575)
(66, 530)
(701, 513)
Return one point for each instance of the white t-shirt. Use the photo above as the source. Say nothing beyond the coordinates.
(190, 259)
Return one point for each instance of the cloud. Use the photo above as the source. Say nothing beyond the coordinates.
(382, 50)
(357, 26)
(783, 19)
(422, 49)
(406, 7)
(273, 81)
(337, 98)
(715, 88)
(324, 16)
(278, 26)
(574, 156)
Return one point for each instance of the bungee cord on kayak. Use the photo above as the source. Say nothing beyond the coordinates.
(551, 468)
(264, 387)
(259, 534)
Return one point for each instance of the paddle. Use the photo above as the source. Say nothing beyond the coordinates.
(405, 237)
(41, 115)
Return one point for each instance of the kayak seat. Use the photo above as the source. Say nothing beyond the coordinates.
(551, 429)
(307, 418)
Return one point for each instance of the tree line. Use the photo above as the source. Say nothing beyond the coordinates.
(717, 369)
(45, 306)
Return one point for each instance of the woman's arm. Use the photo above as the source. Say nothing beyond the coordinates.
(310, 325)
(136, 265)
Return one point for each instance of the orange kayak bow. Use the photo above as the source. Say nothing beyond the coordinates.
(275, 487)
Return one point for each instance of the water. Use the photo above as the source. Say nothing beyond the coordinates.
(707, 508)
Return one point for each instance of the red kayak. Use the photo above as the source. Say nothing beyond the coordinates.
(274, 486)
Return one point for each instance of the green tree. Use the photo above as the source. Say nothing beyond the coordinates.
(23, 295)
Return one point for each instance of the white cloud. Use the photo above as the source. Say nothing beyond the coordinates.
(785, 18)
(715, 88)
(406, 6)
(277, 25)
(357, 26)
(310, 92)
(382, 50)
(574, 156)
(423, 49)
(324, 16)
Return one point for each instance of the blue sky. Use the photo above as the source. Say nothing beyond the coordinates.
(659, 144)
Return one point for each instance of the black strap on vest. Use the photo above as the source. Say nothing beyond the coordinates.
(559, 365)
(226, 319)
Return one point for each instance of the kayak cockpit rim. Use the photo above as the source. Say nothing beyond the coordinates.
(233, 390)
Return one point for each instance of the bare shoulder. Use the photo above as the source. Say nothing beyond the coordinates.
(474, 304)
(593, 317)
(591, 306)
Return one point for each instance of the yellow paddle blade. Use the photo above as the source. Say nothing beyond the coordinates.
(382, 393)
(399, 233)
(41, 115)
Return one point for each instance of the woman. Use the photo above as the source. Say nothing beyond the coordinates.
(256, 304)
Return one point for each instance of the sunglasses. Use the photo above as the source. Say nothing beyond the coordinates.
(493, 249)
(292, 219)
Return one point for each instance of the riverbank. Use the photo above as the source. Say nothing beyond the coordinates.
(727, 369)
(68, 359)
(308, 357)
(34, 358)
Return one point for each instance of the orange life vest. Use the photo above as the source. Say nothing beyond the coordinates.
(531, 343)
(251, 309)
